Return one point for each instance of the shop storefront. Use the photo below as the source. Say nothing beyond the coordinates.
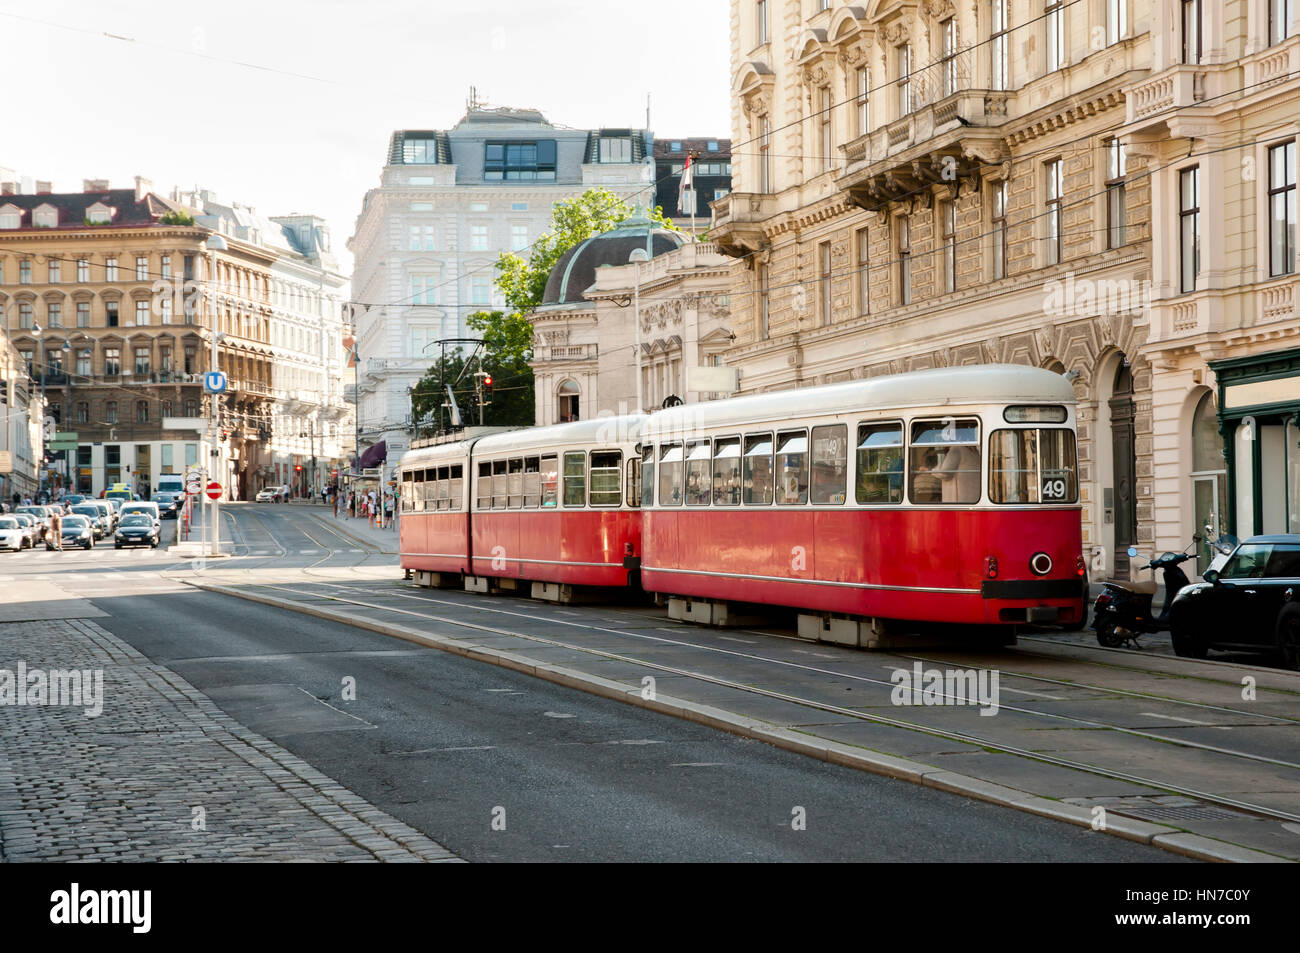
(1259, 420)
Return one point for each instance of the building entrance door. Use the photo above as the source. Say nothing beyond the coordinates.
(1125, 470)
(1209, 500)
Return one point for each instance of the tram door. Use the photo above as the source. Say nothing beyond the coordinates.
(1125, 458)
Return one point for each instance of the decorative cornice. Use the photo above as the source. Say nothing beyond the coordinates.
(1065, 114)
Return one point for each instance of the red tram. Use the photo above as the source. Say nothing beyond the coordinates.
(545, 505)
(956, 501)
(946, 496)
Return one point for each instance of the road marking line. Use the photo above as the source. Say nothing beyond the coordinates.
(698, 764)
(1190, 721)
(730, 638)
(557, 714)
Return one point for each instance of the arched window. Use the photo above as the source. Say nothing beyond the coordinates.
(1209, 479)
(569, 394)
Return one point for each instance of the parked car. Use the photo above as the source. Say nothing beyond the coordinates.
(136, 529)
(169, 503)
(77, 531)
(1246, 605)
(12, 534)
(96, 517)
(32, 528)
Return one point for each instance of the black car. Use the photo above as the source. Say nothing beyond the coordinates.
(169, 504)
(1249, 604)
(92, 513)
(77, 531)
(136, 529)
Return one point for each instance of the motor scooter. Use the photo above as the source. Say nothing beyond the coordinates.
(1122, 611)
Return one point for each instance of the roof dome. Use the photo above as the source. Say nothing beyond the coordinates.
(575, 271)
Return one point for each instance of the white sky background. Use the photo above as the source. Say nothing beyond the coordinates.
(84, 106)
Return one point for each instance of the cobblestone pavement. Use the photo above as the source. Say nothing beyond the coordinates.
(125, 785)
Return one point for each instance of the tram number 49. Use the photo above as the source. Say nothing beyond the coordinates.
(1053, 489)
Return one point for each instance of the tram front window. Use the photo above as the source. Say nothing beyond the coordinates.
(1032, 466)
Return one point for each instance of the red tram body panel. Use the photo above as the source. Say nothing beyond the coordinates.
(578, 547)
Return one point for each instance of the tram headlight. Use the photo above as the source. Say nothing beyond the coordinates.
(1040, 564)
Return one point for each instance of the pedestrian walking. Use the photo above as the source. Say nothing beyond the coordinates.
(56, 531)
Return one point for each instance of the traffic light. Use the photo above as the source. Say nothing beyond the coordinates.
(297, 468)
(487, 389)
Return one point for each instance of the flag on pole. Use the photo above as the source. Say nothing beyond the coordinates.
(686, 195)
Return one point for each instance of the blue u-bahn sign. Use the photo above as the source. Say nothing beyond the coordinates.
(214, 382)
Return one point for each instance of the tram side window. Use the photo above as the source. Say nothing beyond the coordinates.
(648, 476)
(456, 487)
(633, 482)
(484, 486)
(726, 471)
(550, 481)
(830, 463)
(532, 482)
(670, 474)
(699, 484)
(757, 469)
(408, 488)
(792, 467)
(516, 482)
(500, 485)
(605, 475)
(945, 461)
(1032, 466)
(880, 463)
(442, 491)
(575, 479)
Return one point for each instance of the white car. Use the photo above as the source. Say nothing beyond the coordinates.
(12, 534)
(150, 509)
(270, 495)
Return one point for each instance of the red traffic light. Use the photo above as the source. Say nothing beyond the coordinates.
(297, 468)
(487, 380)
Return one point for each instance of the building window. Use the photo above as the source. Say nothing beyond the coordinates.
(760, 22)
(83, 270)
(999, 230)
(824, 115)
(1279, 20)
(83, 314)
(141, 314)
(1281, 209)
(24, 272)
(142, 362)
(824, 259)
(24, 314)
(166, 306)
(864, 272)
(191, 410)
(765, 155)
(419, 151)
(1189, 215)
(518, 237)
(83, 362)
(1191, 20)
(164, 411)
(519, 161)
(764, 312)
(166, 266)
(480, 291)
(904, 59)
(948, 232)
(569, 401)
(478, 238)
(424, 289)
(1116, 213)
(1052, 176)
(998, 44)
(618, 149)
(110, 311)
(164, 358)
(188, 267)
(1054, 24)
(1116, 20)
(54, 314)
(112, 361)
(904, 254)
(56, 269)
(189, 360)
(27, 359)
(110, 269)
(141, 268)
(864, 100)
(11, 219)
(83, 412)
(948, 65)
(142, 411)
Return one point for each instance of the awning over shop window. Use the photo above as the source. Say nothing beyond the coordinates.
(373, 456)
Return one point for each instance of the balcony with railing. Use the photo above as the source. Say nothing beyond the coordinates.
(566, 352)
(947, 132)
(737, 222)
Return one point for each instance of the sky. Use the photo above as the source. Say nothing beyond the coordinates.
(303, 124)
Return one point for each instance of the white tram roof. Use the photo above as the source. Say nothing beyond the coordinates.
(923, 391)
(600, 432)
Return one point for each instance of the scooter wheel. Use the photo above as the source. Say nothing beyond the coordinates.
(1107, 636)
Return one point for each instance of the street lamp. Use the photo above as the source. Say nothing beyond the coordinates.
(214, 244)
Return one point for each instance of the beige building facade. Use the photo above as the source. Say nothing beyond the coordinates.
(926, 184)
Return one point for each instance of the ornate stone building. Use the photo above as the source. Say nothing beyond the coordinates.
(925, 184)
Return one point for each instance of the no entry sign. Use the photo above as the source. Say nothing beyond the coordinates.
(214, 490)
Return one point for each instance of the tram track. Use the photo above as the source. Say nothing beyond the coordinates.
(814, 704)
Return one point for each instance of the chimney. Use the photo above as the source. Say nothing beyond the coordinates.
(43, 188)
(8, 188)
(94, 185)
(143, 187)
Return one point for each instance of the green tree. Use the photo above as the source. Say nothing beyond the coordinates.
(597, 210)
(504, 355)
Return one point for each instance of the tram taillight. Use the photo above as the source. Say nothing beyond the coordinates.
(991, 567)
